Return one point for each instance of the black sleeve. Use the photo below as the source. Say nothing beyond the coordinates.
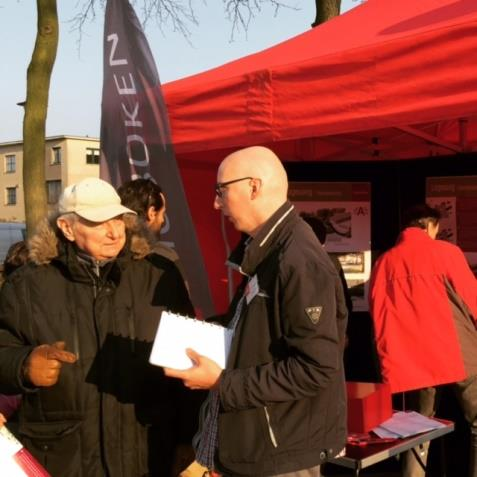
(13, 347)
(171, 291)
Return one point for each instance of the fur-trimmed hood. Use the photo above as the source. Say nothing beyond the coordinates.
(44, 246)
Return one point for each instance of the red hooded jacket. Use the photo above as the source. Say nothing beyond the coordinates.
(417, 289)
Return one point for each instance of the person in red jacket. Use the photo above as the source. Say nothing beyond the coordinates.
(423, 301)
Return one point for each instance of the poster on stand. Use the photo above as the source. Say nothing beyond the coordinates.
(344, 208)
(456, 199)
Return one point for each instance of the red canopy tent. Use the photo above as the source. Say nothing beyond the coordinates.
(390, 79)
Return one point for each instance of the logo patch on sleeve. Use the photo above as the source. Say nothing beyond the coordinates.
(314, 313)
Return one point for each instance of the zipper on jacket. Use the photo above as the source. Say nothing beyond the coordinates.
(96, 268)
(94, 273)
(74, 318)
(270, 430)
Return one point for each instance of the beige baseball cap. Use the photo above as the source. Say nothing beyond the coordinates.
(93, 199)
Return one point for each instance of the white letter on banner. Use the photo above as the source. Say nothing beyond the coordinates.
(114, 38)
(130, 139)
(125, 89)
(132, 117)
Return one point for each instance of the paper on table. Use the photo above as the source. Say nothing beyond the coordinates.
(175, 333)
(385, 434)
(405, 424)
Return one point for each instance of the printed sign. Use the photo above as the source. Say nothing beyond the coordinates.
(456, 199)
(344, 208)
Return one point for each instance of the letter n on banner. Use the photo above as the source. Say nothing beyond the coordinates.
(136, 140)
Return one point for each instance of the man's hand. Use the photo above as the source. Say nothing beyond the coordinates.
(204, 373)
(42, 366)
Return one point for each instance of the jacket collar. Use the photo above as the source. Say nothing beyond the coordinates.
(48, 245)
(413, 233)
(252, 251)
(83, 270)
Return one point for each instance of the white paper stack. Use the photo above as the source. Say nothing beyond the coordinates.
(176, 333)
(405, 424)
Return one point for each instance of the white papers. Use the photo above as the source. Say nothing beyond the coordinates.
(15, 460)
(9, 446)
(405, 424)
(176, 333)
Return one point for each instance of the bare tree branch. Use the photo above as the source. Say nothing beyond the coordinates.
(179, 14)
(86, 13)
(241, 12)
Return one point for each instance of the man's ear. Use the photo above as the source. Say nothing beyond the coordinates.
(256, 185)
(66, 227)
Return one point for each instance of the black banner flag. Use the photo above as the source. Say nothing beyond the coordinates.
(136, 139)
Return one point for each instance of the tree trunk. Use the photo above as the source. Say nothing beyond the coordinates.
(325, 10)
(34, 122)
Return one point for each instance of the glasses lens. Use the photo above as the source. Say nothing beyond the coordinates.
(222, 185)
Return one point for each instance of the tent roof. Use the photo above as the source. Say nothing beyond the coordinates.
(388, 79)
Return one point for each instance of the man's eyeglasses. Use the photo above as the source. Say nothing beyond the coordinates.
(222, 185)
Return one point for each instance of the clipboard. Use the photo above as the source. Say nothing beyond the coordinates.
(176, 333)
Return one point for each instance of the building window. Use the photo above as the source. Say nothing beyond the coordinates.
(53, 191)
(10, 163)
(56, 158)
(92, 155)
(11, 195)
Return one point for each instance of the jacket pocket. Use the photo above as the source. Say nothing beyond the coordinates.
(288, 424)
(243, 436)
(56, 445)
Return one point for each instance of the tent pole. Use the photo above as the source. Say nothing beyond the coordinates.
(430, 138)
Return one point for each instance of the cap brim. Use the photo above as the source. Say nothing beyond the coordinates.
(101, 214)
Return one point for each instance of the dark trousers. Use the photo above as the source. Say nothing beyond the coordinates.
(425, 402)
(312, 472)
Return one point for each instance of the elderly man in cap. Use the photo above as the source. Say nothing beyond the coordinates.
(76, 327)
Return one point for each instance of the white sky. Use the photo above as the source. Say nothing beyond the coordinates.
(75, 90)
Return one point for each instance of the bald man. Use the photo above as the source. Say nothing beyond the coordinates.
(278, 409)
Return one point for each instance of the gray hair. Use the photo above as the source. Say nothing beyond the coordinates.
(70, 217)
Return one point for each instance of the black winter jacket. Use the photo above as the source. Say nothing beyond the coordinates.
(283, 403)
(111, 406)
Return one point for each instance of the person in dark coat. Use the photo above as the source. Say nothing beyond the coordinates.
(279, 407)
(17, 255)
(76, 329)
(146, 198)
(319, 229)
